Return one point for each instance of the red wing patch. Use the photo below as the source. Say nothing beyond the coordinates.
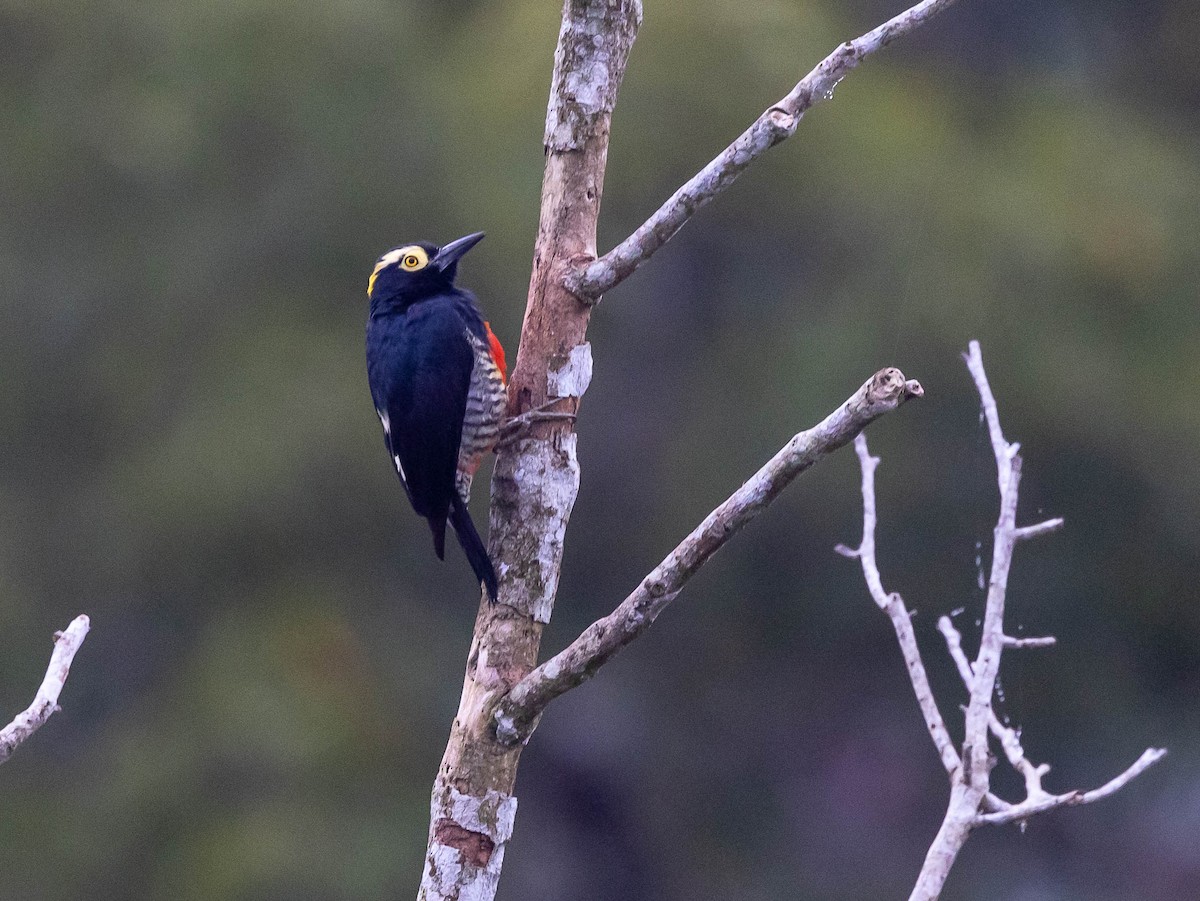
(497, 352)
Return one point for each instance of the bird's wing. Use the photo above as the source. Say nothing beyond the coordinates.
(425, 404)
(385, 420)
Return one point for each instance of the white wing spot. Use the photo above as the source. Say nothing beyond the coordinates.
(387, 423)
(400, 469)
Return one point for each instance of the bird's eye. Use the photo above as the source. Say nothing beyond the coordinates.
(411, 262)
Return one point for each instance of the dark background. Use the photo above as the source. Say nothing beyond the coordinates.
(192, 197)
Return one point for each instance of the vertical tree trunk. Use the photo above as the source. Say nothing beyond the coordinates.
(537, 476)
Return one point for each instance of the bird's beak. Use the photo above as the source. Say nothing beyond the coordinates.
(449, 255)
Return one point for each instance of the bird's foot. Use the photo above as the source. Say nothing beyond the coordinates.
(519, 425)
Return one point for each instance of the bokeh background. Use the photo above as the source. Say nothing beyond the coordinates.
(192, 197)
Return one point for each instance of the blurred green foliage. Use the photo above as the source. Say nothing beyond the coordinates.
(193, 197)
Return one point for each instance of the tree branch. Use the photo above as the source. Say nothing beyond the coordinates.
(1048, 641)
(1033, 806)
(971, 801)
(775, 125)
(893, 605)
(536, 478)
(987, 662)
(1037, 799)
(1001, 449)
(1008, 738)
(1039, 529)
(45, 703)
(516, 714)
(1020, 812)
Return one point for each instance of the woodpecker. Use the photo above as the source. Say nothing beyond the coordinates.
(438, 378)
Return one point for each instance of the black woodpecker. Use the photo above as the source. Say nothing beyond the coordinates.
(438, 379)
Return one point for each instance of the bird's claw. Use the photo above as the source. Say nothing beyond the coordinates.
(515, 427)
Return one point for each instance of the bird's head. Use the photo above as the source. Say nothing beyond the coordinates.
(411, 272)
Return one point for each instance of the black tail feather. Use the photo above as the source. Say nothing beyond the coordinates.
(437, 525)
(472, 546)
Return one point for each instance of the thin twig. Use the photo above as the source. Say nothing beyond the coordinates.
(1037, 530)
(517, 713)
(45, 702)
(1032, 807)
(1046, 641)
(893, 605)
(1001, 449)
(773, 126)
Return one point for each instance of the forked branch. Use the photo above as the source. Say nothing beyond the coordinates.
(972, 803)
(537, 473)
(1037, 799)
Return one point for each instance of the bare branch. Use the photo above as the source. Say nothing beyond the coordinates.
(971, 801)
(991, 645)
(972, 785)
(1042, 528)
(45, 703)
(1032, 807)
(517, 713)
(1003, 451)
(1009, 740)
(893, 605)
(773, 126)
(994, 804)
(1037, 799)
(1047, 641)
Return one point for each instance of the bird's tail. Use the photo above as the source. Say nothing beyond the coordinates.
(472, 546)
(437, 525)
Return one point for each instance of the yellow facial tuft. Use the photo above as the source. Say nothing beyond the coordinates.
(412, 258)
